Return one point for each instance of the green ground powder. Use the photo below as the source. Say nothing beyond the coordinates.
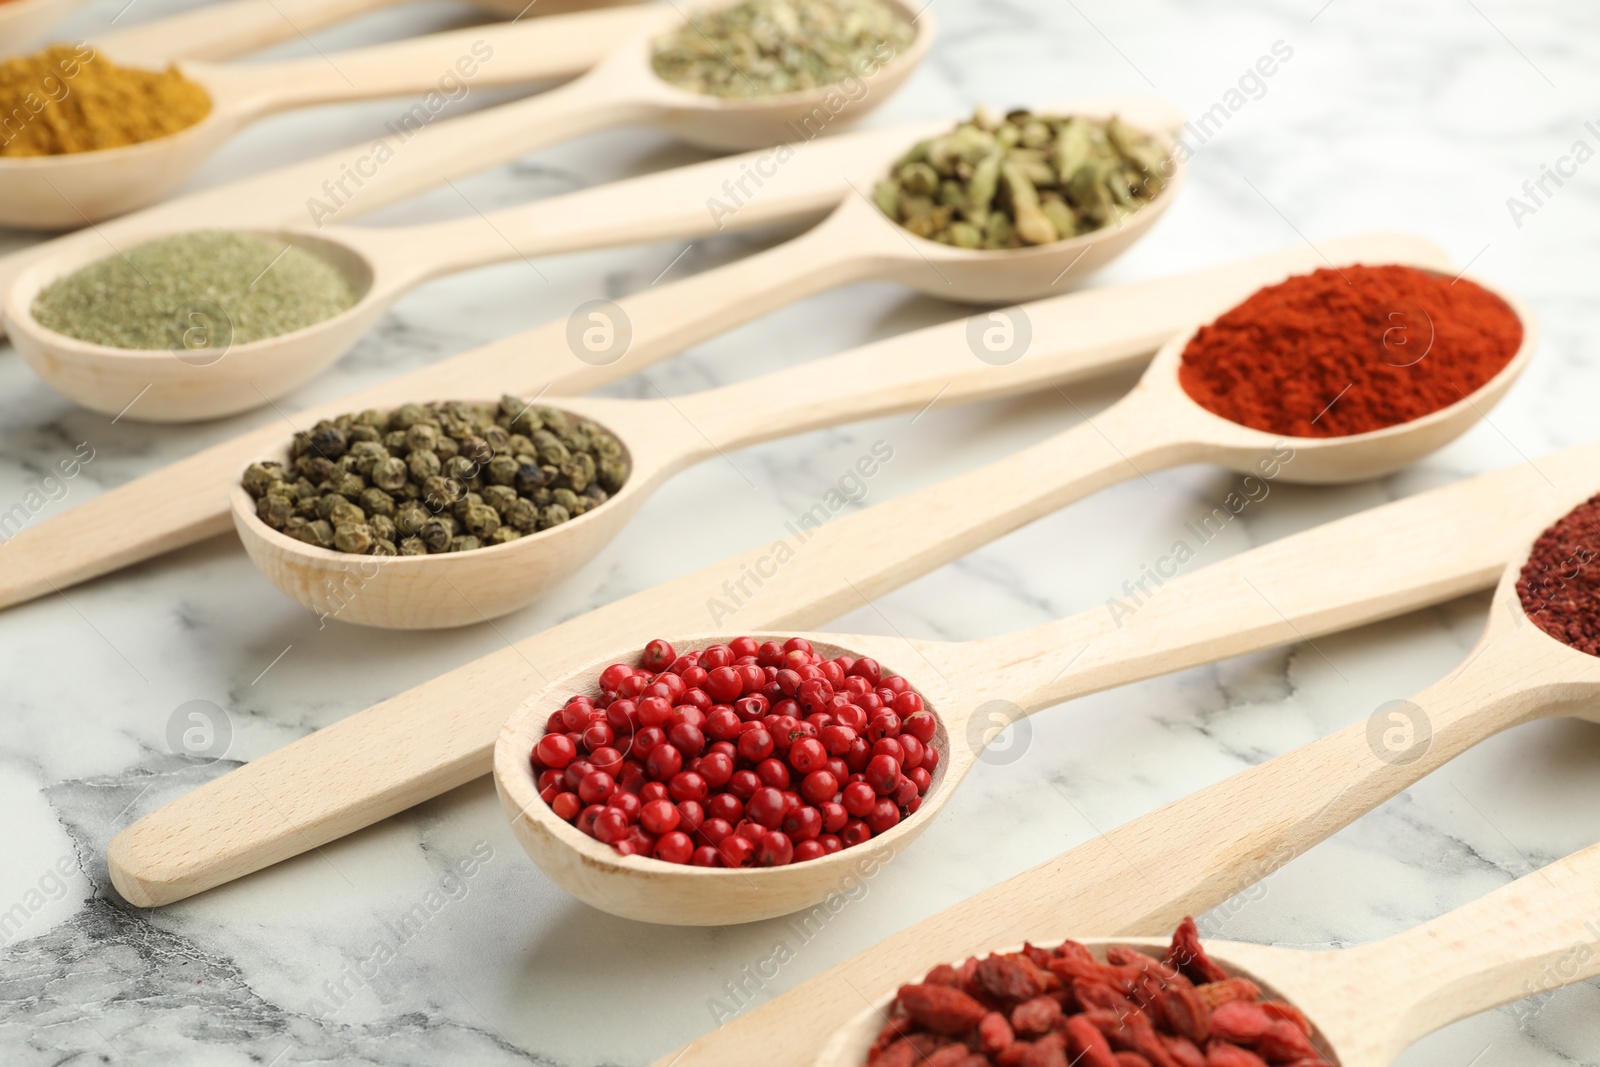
(207, 289)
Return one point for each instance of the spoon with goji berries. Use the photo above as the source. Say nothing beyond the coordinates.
(1104, 1003)
(1145, 1003)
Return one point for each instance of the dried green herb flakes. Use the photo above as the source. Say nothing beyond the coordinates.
(769, 47)
(199, 290)
(431, 478)
(1022, 179)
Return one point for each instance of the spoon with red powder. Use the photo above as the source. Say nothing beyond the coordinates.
(1107, 1003)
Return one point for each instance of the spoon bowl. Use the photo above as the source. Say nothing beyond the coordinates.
(198, 378)
(1334, 460)
(653, 891)
(458, 588)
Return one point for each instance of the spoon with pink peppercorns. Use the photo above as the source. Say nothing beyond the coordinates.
(761, 764)
(1116, 1002)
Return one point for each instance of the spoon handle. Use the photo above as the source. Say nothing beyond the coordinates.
(1074, 336)
(224, 30)
(449, 66)
(1526, 939)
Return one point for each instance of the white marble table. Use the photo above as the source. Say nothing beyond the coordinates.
(1421, 115)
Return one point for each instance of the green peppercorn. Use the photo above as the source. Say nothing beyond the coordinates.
(440, 477)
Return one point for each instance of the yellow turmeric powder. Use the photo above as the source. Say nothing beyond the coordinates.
(67, 99)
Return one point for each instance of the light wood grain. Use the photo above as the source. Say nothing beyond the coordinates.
(1369, 1004)
(69, 191)
(227, 29)
(231, 28)
(332, 783)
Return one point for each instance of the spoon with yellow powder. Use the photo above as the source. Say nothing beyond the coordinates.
(98, 140)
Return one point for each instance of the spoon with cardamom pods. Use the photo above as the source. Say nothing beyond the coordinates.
(204, 104)
(269, 324)
(1236, 1004)
(67, 180)
(1157, 425)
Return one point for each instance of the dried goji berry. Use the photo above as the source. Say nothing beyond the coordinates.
(1131, 1059)
(1189, 956)
(994, 1033)
(1099, 995)
(1283, 1042)
(1048, 1051)
(1013, 1054)
(944, 974)
(1089, 1046)
(950, 1056)
(1184, 1051)
(941, 1008)
(1240, 1022)
(1036, 1016)
(1182, 1011)
(1279, 1009)
(1010, 979)
(1039, 957)
(1223, 1054)
(896, 1054)
(1217, 994)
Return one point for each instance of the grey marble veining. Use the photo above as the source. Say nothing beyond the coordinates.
(1425, 115)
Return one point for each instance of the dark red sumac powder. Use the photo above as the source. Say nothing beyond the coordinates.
(1340, 352)
(1560, 583)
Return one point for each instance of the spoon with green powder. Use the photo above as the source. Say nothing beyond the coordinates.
(209, 362)
(870, 46)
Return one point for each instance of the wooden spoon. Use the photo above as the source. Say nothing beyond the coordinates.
(1194, 854)
(54, 192)
(188, 500)
(437, 736)
(1370, 1003)
(22, 22)
(855, 243)
(1367, 1005)
(231, 28)
(69, 191)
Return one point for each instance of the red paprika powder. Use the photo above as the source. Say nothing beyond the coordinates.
(1340, 352)
(1560, 584)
